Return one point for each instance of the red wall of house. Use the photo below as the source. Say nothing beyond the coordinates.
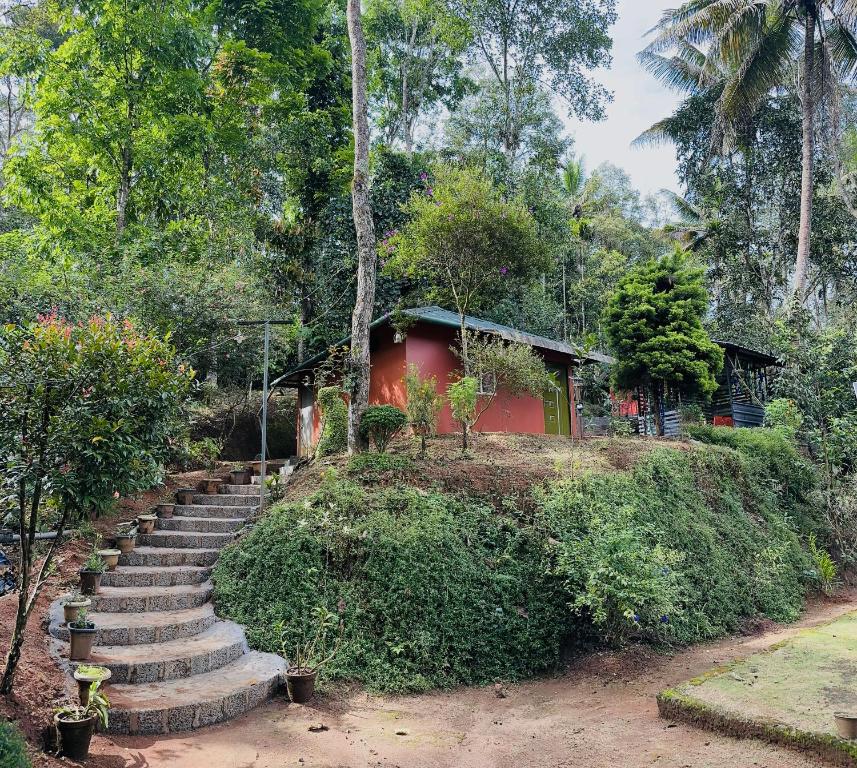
(386, 385)
(428, 347)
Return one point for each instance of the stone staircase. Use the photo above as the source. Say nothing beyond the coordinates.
(176, 666)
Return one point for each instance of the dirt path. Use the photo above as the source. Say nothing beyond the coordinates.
(600, 714)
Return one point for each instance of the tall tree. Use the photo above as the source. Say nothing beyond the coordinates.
(532, 43)
(364, 226)
(762, 45)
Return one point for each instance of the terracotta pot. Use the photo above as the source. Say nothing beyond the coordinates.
(846, 725)
(165, 511)
(70, 609)
(81, 642)
(125, 542)
(239, 477)
(74, 736)
(146, 523)
(90, 581)
(300, 685)
(85, 681)
(185, 495)
(110, 558)
(211, 485)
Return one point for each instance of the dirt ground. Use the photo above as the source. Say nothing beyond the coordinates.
(601, 713)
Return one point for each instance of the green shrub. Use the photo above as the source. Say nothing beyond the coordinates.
(424, 404)
(436, 591)
(13, 748)
(334, 422)
(381, 423)
(369, 466)
(783, 414)
(190, 455)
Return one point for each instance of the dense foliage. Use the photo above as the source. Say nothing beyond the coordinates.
(381, 423)
(440, 590)
(334, 422)
(13, 748)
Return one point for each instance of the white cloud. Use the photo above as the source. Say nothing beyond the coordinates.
(639, 101)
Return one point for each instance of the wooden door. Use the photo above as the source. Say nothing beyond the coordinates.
(556, 402)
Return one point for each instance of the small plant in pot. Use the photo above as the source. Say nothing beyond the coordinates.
(110, 558)
(126, 537)
(185, 495)
(75, 723)
(74, 603)
(146, 523)
(239, 475)
(86, 675)
(90, 573)
(211, 484)
(165, 509)
(310, 653)
(81, 636)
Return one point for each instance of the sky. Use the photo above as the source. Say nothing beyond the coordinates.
(639, 101)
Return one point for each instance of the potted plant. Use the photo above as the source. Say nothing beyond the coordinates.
(165, 509)
(74, 603)
(86, 675)
(211, 484)
(239, 475)
(846, 724)
(75, 723)
(310, 654)
(126, 537)
(81, 636)
(90, 573)
(110, 558)
(185, 495)
(146, 523)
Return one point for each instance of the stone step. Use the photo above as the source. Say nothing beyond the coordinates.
(240, 490)
(204, 699)
(148, 576)
(169, 557)
(139, 628)
(210, 510)
(142, 599)
(212, 649)
(220, 500)
(182, 539)
(202, 524)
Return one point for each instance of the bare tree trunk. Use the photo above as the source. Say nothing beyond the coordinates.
(808, 131)
(359, 358)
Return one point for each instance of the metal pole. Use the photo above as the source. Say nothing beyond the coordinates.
(263, 467)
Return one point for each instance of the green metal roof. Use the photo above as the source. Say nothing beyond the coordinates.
(439, 316)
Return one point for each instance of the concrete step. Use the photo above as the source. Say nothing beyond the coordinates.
(210, 510)
(139, 628)
(147, 576)
(202, 524)
(220, 500)
(212, 649)
(141, 599)
(169, 557)
(182, 539)
(204, 699)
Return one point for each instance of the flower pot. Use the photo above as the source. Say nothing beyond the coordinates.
(239, 477)
(125, 542)
(185, 495)
(211, 485)
(82, 639)
(90, 581)
(146, 523)
(75, 735)
(86, 679)
(70, 609)
(110, 558)
(300, 684)
(846, 725)
(165, 511)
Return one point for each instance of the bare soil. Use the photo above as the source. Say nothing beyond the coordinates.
(600, 713)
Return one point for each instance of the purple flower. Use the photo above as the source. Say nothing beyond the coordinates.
(665, 619)
(430, 191)
(503, 270)
(636, 617)
(423, 176)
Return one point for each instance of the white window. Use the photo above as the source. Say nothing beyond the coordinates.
(487, 384)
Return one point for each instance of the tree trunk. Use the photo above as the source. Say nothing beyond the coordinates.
(359, 360)
(806, 184)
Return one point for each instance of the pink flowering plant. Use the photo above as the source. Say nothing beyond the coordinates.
(87, 413)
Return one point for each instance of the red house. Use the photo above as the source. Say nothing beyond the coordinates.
(427, 345)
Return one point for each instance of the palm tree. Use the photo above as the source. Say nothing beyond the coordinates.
(694, 226)
(757, 46)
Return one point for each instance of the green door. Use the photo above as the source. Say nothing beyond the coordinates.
(556, 402)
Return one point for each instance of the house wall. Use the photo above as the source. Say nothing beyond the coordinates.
(386, 385)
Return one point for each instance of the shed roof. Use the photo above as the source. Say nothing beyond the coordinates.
(752, 354)
(439, 316)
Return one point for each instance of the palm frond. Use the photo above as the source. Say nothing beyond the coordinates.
(662, 132)
(673, 71)
(841, 44)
